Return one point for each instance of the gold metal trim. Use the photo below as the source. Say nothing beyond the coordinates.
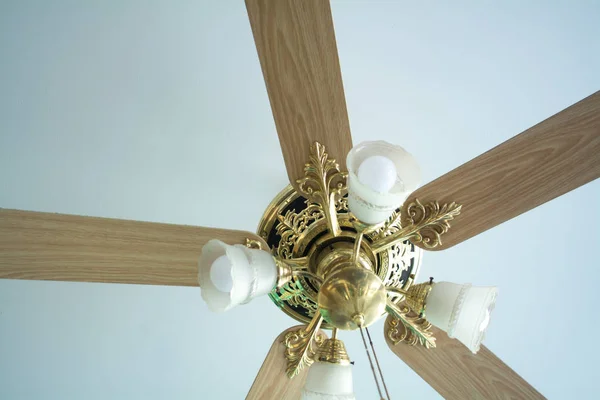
(271, 214)
(292, 226)
(416, 296)
(333, 351)
(284, 272)
(356, 250)
(299, 346)
(294, 294)
(309, 275)
(424, 224)
(323, 184)
(415, 329)
(253, 244)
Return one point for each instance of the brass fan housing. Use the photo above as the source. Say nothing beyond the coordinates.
(296, 229)
(352, 298)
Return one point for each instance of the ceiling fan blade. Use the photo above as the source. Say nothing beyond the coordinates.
(456, 373)
(59, 247)
(272, 381)
(546, 161)
(298, 55)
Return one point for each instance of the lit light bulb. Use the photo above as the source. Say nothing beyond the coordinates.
(220, 274)
(378, 173)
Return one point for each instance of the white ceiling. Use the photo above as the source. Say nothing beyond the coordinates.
(157, 111)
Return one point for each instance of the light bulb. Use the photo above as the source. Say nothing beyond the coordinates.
(220, 274)
(378, 172)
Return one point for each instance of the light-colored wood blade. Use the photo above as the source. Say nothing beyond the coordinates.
(272, 381)
(546, 161)
(58, 247)
(456, 373)
(299, 59)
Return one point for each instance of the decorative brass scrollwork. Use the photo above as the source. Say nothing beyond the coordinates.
(415, 329)
(323, 184)
(300, 346)
(424, 224)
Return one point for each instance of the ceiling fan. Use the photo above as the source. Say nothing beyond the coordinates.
(540, 163)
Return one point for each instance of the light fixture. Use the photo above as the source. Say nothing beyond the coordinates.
(380, 177)
(343, 262)
(231, 275)
(462, 311)
(330, 377)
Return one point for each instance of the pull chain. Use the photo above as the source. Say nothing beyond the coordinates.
(371, 363)
(378, 366)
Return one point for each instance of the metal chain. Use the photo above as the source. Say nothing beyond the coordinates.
(371, 363)
(378, 366)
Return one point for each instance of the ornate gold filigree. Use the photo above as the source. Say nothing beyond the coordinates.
(341, 204)
(295, 295)
(300, 346)
(415, 329)
(401, 256)
(292, 225)
(433, 220)
(423, 223)
(253, 244)
(391, 226)
(323, 184)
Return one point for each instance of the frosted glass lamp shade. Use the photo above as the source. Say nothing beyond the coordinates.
(462, 311)
(327, 381)
(380, 177)
(231, 275)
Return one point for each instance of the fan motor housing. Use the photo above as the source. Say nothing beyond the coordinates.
(295, 228)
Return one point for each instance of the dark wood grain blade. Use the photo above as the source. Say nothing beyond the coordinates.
(299, 59)
(546, 161)
(272, 381)
(58, 247)
(457, 374)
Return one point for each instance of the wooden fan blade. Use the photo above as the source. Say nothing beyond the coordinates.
(272, 381)
(456, 373)
(60, 247)
(298, 55)
(546, 161)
